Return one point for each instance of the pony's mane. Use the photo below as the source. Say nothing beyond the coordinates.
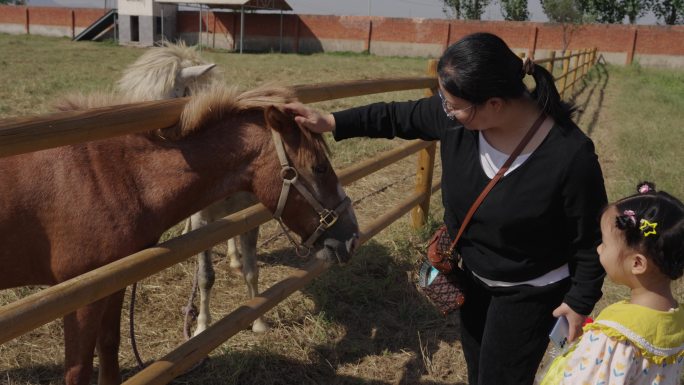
(153, 75)
(207, 107)
(218, 101)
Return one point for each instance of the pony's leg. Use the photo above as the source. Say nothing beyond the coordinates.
(205, 270)
(80, 333)
(108, 341)
(234, 255)
(250, 270)
(205, 281)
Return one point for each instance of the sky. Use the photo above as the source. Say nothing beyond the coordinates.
(390, 8)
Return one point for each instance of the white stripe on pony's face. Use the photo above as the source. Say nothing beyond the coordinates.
(185, 78)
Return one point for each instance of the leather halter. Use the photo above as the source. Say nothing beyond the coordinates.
(327, 218)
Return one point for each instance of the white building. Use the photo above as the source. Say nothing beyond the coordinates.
(146, 22)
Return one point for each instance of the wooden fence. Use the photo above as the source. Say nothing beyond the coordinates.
(583, 60)
(21, 135)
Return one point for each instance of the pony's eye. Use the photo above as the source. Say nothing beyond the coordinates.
(320, 169)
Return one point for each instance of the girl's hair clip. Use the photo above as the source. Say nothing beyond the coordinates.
(648, 228)
(646, 187)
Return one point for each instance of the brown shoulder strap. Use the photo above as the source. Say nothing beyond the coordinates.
(497, 177)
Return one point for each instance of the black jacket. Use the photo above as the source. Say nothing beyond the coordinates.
(540, 216)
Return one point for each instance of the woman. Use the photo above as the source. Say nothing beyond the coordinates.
(530, 249)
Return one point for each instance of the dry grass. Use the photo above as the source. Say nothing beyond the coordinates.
(359, 324)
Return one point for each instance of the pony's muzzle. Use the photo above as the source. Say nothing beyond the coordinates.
(335, 250)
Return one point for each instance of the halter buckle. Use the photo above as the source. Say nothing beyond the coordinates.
(289, 170)
(328, 218)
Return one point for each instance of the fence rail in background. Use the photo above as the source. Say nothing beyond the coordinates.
(583, 61)
(21, 135)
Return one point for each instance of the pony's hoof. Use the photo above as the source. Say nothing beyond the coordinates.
(260, 326)
(198, 331)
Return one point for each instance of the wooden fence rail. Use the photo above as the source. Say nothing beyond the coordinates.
(583, 61)
(27, 134)
(21, 135)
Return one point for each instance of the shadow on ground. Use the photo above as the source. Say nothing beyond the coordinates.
(374, 300)
(594, 84)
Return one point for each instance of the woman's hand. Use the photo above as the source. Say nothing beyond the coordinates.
(575, 320)
(311, 119)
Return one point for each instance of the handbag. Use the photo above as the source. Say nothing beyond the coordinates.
(440, 276)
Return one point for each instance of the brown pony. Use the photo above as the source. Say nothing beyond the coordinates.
(68, 210)
(173, 71)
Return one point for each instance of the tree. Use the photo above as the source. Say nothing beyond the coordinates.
(465, 9)
(670, 11)
(567, 13)
(604, 11)
(636, 8)
(13, 2)
(514, 10)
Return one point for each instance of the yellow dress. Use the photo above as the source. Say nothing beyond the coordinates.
(627, 344)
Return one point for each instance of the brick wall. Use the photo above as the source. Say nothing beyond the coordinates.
(651, 45)
(656, 45)
(52, 21)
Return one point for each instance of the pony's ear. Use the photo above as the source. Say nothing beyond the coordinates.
(194, 72)
(278, 119)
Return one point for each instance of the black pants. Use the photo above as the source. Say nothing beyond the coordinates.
(504, 331)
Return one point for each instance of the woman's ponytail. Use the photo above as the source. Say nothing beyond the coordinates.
(547, 96)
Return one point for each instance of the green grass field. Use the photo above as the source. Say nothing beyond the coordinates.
(359, 324)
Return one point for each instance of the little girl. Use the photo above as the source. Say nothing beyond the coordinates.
(640, 341)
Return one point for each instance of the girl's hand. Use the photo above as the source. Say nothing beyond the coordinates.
(311, 119)
(575, 320)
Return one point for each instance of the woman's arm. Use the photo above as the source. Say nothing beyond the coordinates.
(584, 198)
(311, 119)
(420, 119)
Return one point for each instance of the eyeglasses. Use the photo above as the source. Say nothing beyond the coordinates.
(449, 109)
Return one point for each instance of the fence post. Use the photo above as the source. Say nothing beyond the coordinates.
(564, 76)
(533, 46)
(549, 65)
(425, 169)
(73, 24)
(296, 42)
(370, 36)
(585, 64)
(574, 73)
(632, 48)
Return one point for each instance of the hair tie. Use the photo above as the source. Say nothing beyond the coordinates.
(528, 66)
(631, 216)
(627, 220)
(645, 188)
